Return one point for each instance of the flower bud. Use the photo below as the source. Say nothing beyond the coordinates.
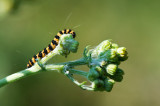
(98, 85)
(108, 83)
(122, 53)
(118, 76)
(114, 45)
(74, 46)
(93, 74)
(100, 70)
(111, 55)
(111, 69)
(102, 47)
(103, 63)
(68, 43)
(119, 72)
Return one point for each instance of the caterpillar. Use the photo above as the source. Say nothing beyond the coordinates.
(50, 47)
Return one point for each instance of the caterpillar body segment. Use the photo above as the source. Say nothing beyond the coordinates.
(50, 47)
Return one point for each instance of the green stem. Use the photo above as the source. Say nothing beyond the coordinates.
(27, 72)
(36, 69)
(79, 72)
(3, 82)
(81, 61)
(16, 76)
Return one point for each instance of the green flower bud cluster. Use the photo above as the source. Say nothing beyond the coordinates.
(103, 63)
(68, 44)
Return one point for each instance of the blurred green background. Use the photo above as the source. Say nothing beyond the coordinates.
(27, 26)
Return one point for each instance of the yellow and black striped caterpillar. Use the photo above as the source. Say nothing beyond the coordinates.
(50, 47)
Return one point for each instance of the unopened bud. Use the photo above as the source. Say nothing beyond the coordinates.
(111, 69)
(93, 74)
(68, 43)
(108, 83)
(122, 53)
(98, 85)
(114, 45)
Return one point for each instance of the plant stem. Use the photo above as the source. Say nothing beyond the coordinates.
(79, 72)
(16, 76)
(36, 69)
(81, 61)
(27, 72)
